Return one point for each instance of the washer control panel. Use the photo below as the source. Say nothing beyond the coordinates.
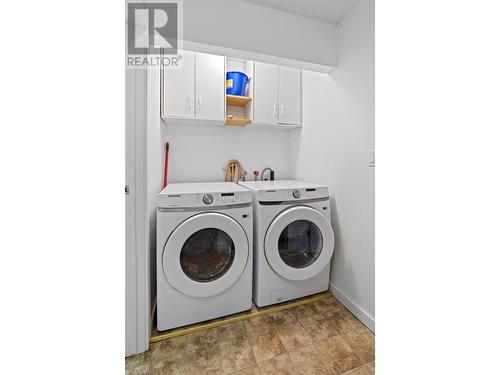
(221, 198)
(209, 195)
(208, 199)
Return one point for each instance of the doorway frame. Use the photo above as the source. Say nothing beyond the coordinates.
(137, 254)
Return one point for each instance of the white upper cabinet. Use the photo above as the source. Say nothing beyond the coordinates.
(290, 102)
(196, 90)
(277, 95)
(179, 90)
(210, 87)
(265, 105)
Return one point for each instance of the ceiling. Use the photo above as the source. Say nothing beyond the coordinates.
(331, 11)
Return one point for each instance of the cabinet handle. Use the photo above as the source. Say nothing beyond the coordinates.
(282, 109)
(199, 104)
(189, 102)
(274, 110)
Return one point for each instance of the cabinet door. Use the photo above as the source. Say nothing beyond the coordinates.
(179, 88)
(290, 96)
(210, 87)
(265, 101)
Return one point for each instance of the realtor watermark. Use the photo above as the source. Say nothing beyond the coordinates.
(153, 61)
(154, 33)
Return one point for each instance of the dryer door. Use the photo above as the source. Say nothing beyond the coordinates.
(299, 243)
(205, 254)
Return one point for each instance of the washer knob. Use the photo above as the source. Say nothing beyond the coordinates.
(208, 198)
(296, 193)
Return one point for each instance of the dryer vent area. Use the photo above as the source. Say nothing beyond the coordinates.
(293, 337)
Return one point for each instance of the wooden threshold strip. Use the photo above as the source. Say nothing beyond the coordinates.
(239, 317)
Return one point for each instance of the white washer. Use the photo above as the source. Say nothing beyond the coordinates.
(293, 240)
(204, 252)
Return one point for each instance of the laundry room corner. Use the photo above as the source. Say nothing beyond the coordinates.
(341, 131)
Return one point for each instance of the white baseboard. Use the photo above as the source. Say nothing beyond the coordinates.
(358, 312)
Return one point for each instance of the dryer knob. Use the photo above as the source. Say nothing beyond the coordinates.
(296, 193)
(208, 198)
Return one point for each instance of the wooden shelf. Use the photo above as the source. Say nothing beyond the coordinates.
(236, 100)
(238, 121)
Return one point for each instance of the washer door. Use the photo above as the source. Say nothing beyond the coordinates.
(299, 243)
(205, 254)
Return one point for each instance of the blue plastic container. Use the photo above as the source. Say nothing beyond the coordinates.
(236, 83)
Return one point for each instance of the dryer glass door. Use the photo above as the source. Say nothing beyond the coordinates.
(299, 243)
(205, 255)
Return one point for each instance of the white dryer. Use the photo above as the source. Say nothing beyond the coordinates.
(204, 252)
(293, 240)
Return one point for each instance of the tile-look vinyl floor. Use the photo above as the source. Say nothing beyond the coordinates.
(321, 337)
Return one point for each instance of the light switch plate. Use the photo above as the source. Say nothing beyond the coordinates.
(371, 158)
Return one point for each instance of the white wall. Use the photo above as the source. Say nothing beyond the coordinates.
(199, 153)
(332, 148)
(245, 26)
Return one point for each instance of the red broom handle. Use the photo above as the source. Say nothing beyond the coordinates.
(165, 171)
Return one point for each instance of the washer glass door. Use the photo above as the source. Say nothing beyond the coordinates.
(299, 243)
(205, 254)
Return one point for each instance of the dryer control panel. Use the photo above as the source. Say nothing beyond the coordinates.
(307, 193)
(297, 194)
(286, 190)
